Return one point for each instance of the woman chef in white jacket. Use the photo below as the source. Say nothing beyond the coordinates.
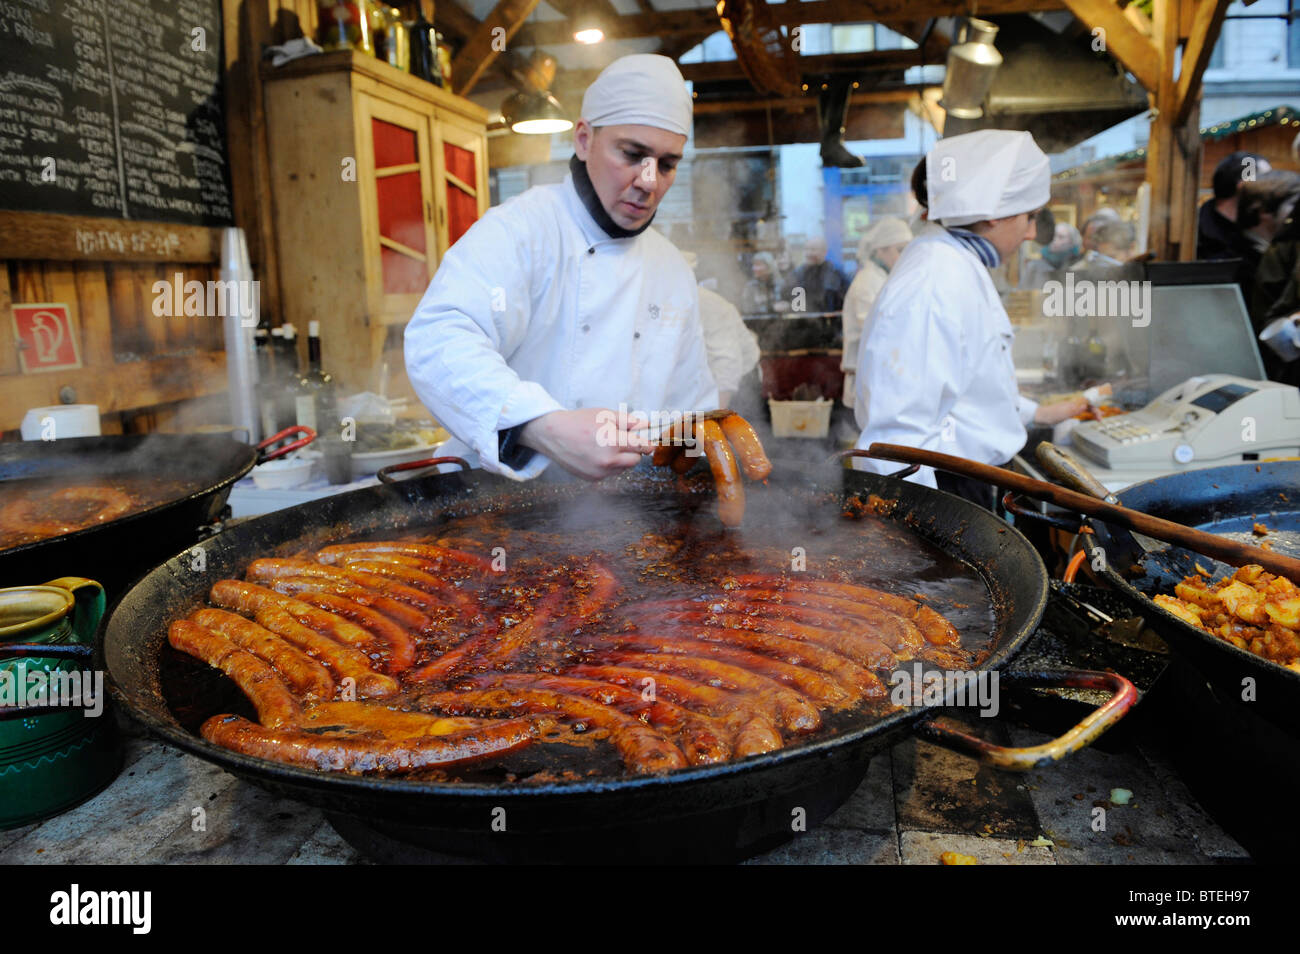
(562, 304)
(935, 369)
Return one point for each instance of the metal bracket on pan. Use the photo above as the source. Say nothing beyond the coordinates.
(308, 435)
(385, 474)
(1016, 506)
(1123, 694)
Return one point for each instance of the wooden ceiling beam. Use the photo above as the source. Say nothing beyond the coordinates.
(455, 21)
(491, 38)
(569, 8)
(878, 61)
(665, 23)
(936, 45)
(871, 97)
(674, 46)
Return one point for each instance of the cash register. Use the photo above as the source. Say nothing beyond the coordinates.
(1206, 421)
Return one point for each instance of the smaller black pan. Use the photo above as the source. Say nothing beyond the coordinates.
(119, 551)
(1227, 501)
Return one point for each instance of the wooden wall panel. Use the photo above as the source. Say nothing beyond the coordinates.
(137, 365)
(8, 355)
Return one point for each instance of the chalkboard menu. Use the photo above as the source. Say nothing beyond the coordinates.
(113, 108)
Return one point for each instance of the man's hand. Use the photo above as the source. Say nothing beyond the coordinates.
(588, 442)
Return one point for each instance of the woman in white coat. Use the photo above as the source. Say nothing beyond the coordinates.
(935, 369)
(878, 252)
(562, 307)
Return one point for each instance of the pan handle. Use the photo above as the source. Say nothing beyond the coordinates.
(1123, 696)
(385, 474)
(41, 651)
(309, 435)
(1066, 469)
(1015, 505)
(840, 456)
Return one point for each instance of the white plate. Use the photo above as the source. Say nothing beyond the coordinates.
(363, 465)
(282, 473)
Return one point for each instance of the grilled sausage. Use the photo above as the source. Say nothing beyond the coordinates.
(249, 598)
(748, 450)
(809, 683)
(860, 682)
(703, 741)
(752, 732)
(389, 722)
(366, 754)
(862, 649)
(794, 710)
(669, 445)
(344, 661)
(418, 579)
(273, 569)
(900, 635)
(445, 557)
(932, 624)
(408, 617)
(269, 695)
(401, 646)
(828, 612)
(644, 750)
(304, 674)
(726, 475)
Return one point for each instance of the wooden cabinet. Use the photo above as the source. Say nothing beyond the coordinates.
(374, 175)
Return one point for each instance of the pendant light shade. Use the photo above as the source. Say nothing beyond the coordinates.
(535, 114)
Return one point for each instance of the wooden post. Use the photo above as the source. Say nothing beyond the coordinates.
(1174, 152)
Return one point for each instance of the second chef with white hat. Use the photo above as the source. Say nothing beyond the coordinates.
(563, 304)
(935, 368)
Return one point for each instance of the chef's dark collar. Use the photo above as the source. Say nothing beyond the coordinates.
(587, 193)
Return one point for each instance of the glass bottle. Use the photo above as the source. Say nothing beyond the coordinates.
(345, 25)
(316, 403)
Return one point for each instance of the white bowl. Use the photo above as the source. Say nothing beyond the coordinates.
(283, 473)
(363, 465)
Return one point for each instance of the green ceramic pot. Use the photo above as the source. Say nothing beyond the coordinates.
(57, 746)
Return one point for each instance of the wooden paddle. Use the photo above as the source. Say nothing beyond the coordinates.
(1198, 541)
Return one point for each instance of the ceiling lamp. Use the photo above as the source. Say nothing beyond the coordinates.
(535, 114)
(971, 66)
(588, 23)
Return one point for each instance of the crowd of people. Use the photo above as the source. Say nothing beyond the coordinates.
(777, 286)
(1251, 219)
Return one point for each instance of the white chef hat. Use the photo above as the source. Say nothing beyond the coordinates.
(989, 174)
(644, 89)
(883, 233)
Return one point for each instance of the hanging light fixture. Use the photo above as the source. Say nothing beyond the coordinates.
(971, 66)
(588, 23)
(535, 114)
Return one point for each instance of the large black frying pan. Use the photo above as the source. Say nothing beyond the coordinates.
(1222, 500)
(117, 552)
(714, 812)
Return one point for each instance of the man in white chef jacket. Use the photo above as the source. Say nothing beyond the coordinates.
(935, 370)
(562, 304)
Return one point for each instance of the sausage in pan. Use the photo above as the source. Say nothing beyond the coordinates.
(748, 450)
(256, 679)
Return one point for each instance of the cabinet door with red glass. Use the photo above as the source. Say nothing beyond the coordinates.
(402, 247)
(460, 166)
